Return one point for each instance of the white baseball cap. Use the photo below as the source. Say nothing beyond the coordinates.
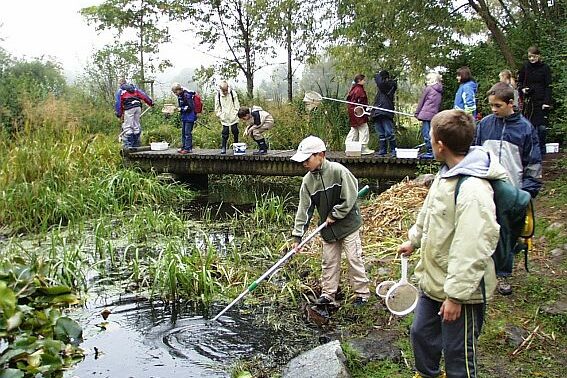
(308, 146)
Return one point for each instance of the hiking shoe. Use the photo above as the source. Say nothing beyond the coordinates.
(223, 151)
(324, 300)
(366, 151)
(183, 152)
(503, 286)
(442, 375)
(260, 152)
(425, 156)
(360, 302)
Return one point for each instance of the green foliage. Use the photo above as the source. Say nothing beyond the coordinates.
(24, 84)
(48, 175)
(240, 26)
(40, 341)
(405, 37)
(141, 17)
(185, 272)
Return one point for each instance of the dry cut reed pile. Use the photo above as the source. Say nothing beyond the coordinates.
(388, 217)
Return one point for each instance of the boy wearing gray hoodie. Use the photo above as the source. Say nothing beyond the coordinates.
(456, 239)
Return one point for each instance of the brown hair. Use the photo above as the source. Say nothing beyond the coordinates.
(465, 74)
(502, 91)
(455, 129)
(534, 50)
(243, 112)
(358, 78)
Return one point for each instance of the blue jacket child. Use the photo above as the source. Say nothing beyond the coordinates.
(188, 116)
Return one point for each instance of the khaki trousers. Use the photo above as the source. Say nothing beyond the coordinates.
(359, 134)
(331, 265)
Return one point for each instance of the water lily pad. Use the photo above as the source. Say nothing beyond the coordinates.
(68, 331)
(7, 299)
(11, 373)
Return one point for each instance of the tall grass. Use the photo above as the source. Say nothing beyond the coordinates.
(179, 271)
(52, 171)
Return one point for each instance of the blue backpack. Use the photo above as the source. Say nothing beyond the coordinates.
(512, 207)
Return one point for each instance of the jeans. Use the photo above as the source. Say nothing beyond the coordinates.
(425, 127)
(384, 127)
(132, 140)
(187, 135)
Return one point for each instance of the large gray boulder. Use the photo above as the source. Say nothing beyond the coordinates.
(325, 361)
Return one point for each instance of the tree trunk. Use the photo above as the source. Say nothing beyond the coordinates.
(142, 74)
(481, 8)
(289, 56)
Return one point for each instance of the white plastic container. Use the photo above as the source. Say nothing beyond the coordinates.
(159, 146)
(353, 149)
(239, 148)
(407, 153)
(551, 148)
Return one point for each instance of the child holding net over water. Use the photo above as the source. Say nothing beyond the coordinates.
(456, 238)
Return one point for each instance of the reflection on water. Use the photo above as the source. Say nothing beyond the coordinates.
(140, 340)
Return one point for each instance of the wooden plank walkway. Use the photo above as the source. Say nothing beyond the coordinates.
(275, 163)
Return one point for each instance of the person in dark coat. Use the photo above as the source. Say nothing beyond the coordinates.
(188, 117)
(383, 119)
(534, 87)
(429, 105)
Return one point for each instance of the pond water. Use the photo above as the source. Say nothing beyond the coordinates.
(142, 339)
(139, 339)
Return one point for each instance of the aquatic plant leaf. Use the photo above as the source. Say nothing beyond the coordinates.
(64, 298)
(13, 354)
(11, 373)
(55, 290)
(14, 321)
(244, 374)
(7, 299)
(34, 359)
(68, 331)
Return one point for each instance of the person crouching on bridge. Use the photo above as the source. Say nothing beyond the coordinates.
(332, 189)
(257, 122)
(188, 117)
(128, 108)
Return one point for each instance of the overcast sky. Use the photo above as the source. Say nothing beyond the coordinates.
(54, 28)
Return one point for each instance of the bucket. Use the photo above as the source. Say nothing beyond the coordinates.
(239, 148)
(551, 148)
(353, 148)
(159, 146)
(407, 153)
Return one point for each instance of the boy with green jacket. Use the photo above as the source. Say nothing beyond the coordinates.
(333, 190)
(456, 238)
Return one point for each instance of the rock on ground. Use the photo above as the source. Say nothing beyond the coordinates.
(325, 361)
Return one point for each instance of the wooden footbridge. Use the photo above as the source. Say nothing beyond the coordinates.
(196, 166)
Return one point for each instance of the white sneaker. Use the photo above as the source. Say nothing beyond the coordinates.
(366, 151)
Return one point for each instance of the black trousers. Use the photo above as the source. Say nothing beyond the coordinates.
(431, 337)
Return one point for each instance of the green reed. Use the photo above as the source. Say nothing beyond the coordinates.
(187, 272)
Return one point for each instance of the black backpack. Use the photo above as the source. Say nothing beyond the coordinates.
(231, 95)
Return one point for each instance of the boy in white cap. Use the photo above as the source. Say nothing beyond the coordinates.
(332, 189)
